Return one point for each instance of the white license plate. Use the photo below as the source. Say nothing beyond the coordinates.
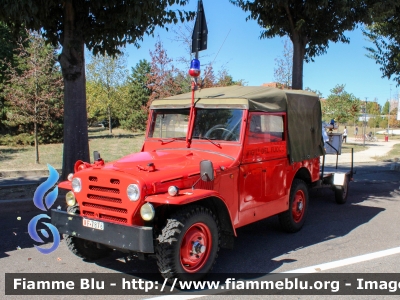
(93, 224)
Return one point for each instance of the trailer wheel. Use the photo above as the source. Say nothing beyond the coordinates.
(341, 192)
(188, 244)
(82, 248)
(292, 220)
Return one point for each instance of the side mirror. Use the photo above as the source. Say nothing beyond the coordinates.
(96, 155)
(206, 170)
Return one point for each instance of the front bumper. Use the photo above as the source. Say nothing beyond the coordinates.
(133, 238)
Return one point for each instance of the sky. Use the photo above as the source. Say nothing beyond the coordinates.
(234, 43)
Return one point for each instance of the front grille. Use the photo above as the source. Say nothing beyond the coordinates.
(103, 189)
(88, 213)
(205, 185)
(113, 218)
(104, 198)
(103, 207)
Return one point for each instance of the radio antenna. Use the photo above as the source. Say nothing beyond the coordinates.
(210, 64)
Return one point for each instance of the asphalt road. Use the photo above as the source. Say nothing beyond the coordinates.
(369, 222)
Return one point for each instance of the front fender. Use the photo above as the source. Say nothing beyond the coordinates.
(185, 197)
(67, 185)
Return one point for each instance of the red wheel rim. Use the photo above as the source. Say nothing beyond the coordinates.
(195, 247)
(298, 206)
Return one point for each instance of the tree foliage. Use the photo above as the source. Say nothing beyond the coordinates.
(134, 110)
(384, 33)
(102, 26)
(310, 25)
(34, 88)
(284, 65)
(161, 79)
(106, 74)
(341, 105)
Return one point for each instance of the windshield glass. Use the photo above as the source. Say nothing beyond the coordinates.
(218, 124)
(169, 123)
(212, 124)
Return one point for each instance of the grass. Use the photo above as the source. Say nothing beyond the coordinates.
(392, 156)
(346, 148)
(111, 147)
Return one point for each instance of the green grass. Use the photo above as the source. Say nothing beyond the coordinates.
(111, 147)
(346, 148)
(393, 154)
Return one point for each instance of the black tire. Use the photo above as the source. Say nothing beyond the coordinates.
(181, 241)
(82, 248)
(293, 219)
(341, 192)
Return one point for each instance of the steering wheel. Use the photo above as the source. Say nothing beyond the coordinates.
(219, 127)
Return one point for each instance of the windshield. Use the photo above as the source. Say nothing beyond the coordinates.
(218, 124)
(169, 123)
(210, 124)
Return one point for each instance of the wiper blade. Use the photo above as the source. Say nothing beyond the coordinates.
(170, 140)
(210, 140)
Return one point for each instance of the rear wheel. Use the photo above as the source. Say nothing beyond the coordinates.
(85, 249)
(188, 244)
(342, 191)
(293, 219)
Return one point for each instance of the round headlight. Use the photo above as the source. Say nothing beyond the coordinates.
(76, 185)
(70, 198)
(70, 175)
(173, 190)
(147, 212)
(133, 192)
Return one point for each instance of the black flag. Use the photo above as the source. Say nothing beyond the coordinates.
(200, 31)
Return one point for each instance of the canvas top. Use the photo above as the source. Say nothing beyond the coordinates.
(303, 110)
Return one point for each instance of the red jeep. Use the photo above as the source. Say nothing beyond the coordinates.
(231, 157)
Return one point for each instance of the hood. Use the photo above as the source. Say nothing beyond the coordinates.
(169, 163)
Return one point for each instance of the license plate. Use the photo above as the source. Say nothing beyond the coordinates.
(93, 224)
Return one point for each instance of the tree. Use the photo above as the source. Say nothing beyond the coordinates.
(35, 86)
(224, 79)
(310, 25)
(385, 109)
(161, 79)
(8, 48)
(107, 73)
(133, 112)
(393, 122)
(341, 105)
(384, 33)
(102, 26)
(283, 72)
(313, 91)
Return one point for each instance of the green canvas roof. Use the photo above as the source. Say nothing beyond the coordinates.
(259, 98)
(303, 111)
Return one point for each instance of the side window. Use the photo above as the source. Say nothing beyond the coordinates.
(266, 128)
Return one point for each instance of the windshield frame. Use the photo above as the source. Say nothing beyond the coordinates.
(231, 133)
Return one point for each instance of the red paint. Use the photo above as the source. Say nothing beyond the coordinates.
(253, 176)
(197, 235)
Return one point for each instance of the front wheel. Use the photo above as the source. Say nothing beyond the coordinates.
(188, 244)
(292, 220)
(82, 248)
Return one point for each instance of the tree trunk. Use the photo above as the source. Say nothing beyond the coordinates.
(72, 61)
(299, 48)
(36, 141)
(109, 119)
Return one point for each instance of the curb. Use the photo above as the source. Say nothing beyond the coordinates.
(25, 173)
